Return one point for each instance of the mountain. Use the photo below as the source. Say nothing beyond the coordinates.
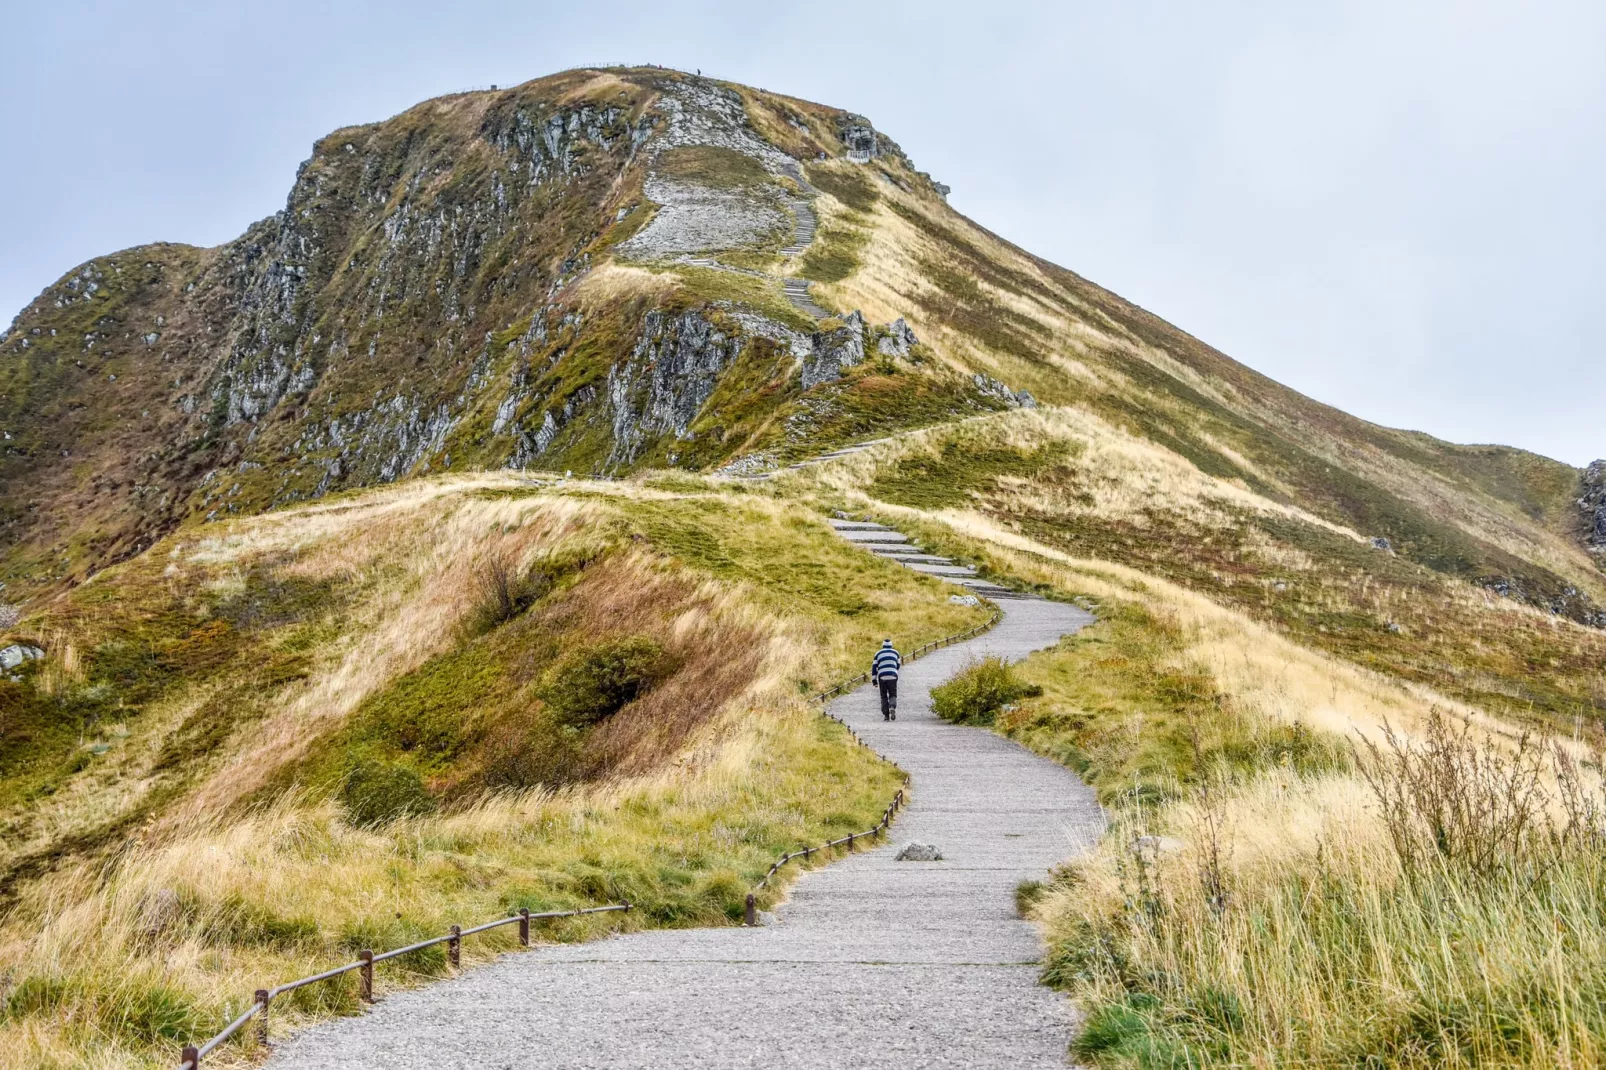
(604, 270)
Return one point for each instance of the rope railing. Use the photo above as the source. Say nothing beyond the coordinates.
(751, 910)
(366, 961)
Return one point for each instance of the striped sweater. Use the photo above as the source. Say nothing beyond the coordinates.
(886, 663)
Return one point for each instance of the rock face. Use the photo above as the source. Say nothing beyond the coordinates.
(1593, 506)
(1380, 543)
(920, 852)
(670, 374)
(834, 351)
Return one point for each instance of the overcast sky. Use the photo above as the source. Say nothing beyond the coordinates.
(1395, 208)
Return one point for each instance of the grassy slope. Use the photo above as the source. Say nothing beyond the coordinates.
(208, 697)
(1482, 513)
(1274, 923)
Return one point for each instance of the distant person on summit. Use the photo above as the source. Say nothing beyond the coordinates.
(884, 671)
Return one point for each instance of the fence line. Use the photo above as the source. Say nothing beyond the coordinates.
(366, 960)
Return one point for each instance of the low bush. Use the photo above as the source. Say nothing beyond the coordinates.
(377, 793)
(593, 684)
(979, 692)
(503, 590)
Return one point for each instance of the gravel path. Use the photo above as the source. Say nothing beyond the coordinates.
(870, 963)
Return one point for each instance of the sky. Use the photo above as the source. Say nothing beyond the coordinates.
(1396, 208)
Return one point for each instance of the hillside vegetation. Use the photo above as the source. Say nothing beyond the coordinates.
(431, 550)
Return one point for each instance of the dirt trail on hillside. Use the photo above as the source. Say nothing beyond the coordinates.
(871, 962)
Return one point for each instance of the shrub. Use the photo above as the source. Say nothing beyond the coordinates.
(979, 691)
(592, 685)
(502, 591)
(377, 793)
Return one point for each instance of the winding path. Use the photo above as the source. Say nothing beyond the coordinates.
(870, 963)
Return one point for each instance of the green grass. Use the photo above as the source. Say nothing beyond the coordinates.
(960, 471)
(709, 165)
(836, 251)
(851, 187)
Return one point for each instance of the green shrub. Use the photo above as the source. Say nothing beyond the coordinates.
(979, 691)
(593, 684)
(377, 793)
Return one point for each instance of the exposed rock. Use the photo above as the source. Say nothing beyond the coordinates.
(834, 351)
(964, 600)
(1000, 390)
(750, 465)
(859, 139)
(1593, 505)
(670, 374)
(920, 852)
(693, 219)
(14, 655)
(897, 340)
(1380, 543)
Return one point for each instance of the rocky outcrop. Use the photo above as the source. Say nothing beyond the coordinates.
(898, 339)
(672, 371)
(1015, 399)
(859, 139)
(834, 351)
(1592, 504)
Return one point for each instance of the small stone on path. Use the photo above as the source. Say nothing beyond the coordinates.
(920, 852)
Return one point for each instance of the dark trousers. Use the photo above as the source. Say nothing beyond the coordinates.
(889, 694)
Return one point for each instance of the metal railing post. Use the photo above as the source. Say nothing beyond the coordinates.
(524, 926)
(454, 946)
(192, 1057)
(263, 997)
(365, 990)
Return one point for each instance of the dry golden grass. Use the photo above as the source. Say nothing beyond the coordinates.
(111, 957)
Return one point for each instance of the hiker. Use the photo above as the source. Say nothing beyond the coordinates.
(884, 671)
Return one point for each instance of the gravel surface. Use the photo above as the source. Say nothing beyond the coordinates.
(870, 963)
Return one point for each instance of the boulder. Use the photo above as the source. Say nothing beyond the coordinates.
(14, 655)
(920, 852)
(1380, 543)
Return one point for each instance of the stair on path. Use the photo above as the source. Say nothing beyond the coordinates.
(895, 546)
(871, 962)
(804, 226)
